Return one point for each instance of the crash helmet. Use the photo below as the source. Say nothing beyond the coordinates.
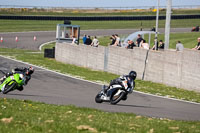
(132, 75)
(30, 70)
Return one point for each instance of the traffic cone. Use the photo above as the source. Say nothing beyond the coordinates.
(16, 39)
(34, 38)
(1, 39)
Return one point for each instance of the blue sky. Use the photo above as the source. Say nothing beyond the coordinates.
(95, 3)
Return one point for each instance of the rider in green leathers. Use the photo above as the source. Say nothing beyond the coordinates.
(20, 75)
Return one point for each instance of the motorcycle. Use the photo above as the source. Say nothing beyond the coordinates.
(114, 94)
(10, 83)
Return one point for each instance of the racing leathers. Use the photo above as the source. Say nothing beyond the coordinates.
(125, 81)
(22, 79)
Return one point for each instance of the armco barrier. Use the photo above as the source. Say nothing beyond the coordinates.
(179, 69)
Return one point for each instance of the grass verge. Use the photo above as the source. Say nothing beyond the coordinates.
(91, 12)
(99, 76)
(40, 25)
(26, 116)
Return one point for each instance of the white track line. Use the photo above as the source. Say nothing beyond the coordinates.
(96, 82)
(40, 48)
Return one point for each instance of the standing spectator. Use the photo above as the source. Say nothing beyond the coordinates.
(118, 41)
(139, 39)
(88, 40)
(198, 45)
(131, 44)
(95, 42)
(84, 39)
(179, 46)
(161, 46)
(144, 45)
(112, 39)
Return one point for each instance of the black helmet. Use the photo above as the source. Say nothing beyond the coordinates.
(132, 75)
(29, 71)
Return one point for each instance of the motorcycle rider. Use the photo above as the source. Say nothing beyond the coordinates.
(129, 80)
(25, 76)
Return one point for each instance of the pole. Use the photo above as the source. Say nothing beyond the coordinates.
(157, 18)
(167, 24)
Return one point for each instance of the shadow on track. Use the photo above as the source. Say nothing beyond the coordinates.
(27, 95)
(134, 106)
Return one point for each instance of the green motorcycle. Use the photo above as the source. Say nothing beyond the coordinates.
(15, 80)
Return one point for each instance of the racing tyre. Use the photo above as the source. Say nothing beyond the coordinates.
(98, 98)
(9, 88)
(125, 97)
(115, 99)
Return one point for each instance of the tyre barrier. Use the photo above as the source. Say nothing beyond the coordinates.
(98, 18)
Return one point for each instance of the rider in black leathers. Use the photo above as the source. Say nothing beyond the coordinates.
(130, 81)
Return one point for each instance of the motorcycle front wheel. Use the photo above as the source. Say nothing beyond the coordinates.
(117, 98)
(98, 98)
(9, 88)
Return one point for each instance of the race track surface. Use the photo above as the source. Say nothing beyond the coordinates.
(50, 87)
(53, 88)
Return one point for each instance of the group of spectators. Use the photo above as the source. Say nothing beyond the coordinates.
(115, 40)
(88, 41)
(140, 42)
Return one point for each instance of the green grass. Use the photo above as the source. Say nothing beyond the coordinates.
(99, 76)
(39, 25)
(18, 116)
(94, 12)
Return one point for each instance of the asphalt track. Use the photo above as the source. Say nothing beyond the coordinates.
(53, 88)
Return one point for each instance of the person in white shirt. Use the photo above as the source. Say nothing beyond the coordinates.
(144, 45)
(118, 41)
(95, 42)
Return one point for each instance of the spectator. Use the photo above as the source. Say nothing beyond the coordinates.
(161, 45)
(84, 39)
(195, 28)
(117, 42)
(88, 41)
(112, 39)
(179, 46)
(139, 39)
(95, 42)
(153, 29)
(144, 45)
(198, 45)
(131, 44)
